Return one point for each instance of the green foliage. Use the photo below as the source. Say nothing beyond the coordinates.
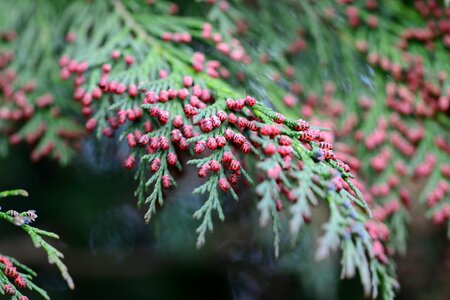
(50, 129)
(7, 264)
(345, 67)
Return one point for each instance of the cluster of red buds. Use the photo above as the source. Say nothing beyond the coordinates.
(379, 234)
(290, 100)
(177, 37)
(166, 181)
(104, 87)
(378, 136)
(129, 162)
(380, 213)
(237, 139)
(442, 144)
(213, 68)
(20, 103)
(426, 167)
(18, 106)
(411, 93)
(380, 161)
(232, 49)
(438, 193)
(11, 272)
(345, 154)
(238, 115)
(441, 215)
(298, 45)
(445, 170)
(5, 59)
(401, 98)
(193, 99)
(330, 106)
(438, 26)
(353, 17)
(133, 114)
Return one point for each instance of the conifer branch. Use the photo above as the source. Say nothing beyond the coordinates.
(15, 276)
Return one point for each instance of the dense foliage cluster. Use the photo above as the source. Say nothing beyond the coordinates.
(228, 86)
(399, 118)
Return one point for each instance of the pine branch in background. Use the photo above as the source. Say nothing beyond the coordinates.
(411, 113)
(33, 109)
(392, 125)
(14, 276)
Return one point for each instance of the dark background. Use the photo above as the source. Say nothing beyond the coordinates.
(112, 254)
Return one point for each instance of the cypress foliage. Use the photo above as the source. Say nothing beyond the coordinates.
(337, 104)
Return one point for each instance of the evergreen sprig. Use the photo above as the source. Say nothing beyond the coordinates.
(14, 276)
(33, 109)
